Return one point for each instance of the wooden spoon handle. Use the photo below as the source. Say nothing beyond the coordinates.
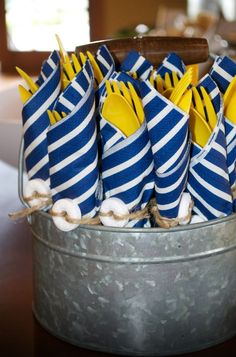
(191, 50)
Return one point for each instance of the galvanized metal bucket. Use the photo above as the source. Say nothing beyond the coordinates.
(141, 292)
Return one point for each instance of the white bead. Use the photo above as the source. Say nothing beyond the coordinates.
(36, 186)
(197, 219)
(71, 208)
(118, 207)
(183, 213)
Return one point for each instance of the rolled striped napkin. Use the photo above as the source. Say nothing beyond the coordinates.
(127, 167)
(169, 135)
(36, 121)
(223, 71)
(72, 145)
(208, 180)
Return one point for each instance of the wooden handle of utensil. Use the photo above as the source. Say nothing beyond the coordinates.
(191, 50)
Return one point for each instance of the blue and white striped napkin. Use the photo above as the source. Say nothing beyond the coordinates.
(136, 63)
(171, 63)
(208, 181)
(72, 145)
(36, 121)
(223, 71)
(127, 167)
(169, 135)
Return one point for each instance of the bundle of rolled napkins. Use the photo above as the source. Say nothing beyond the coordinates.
(130, 146)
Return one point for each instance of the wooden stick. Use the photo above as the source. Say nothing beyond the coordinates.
(191, 50)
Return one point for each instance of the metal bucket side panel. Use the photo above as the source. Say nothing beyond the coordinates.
(135, 308)
(139, 245)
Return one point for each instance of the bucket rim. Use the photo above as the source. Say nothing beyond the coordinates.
(179, 228)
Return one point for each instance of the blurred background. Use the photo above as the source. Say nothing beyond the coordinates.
(28, 28)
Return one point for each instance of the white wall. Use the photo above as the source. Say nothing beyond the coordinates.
(10, 125)
(10, 136)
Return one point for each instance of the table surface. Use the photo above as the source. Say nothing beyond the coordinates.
(20, 333)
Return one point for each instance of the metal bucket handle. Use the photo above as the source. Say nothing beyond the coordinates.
(21, 167)
(21, 173)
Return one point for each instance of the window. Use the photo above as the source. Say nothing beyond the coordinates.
(28, 28)
(34, 29)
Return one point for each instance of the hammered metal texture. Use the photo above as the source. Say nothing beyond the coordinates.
(140, 292)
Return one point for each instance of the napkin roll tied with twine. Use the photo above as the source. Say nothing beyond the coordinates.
(36, 190)
(222, 72)
(127, 165)
(208, 180)
(169, 135)
(36, 121)
(72, 147)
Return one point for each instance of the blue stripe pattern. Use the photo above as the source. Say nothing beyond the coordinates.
(72, 147)
(107, 66)
(47, 66)
(208, 181)
(171, 63)
(169, 135)
(75, 91)
(223, 71)
(105, 61)
(127, 167)
(36, 121)
(136, 63)
(230, 134)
